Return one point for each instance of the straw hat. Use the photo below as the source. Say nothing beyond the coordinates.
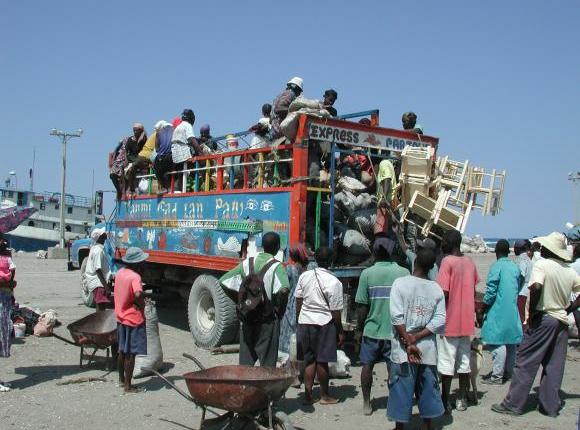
(555, 243)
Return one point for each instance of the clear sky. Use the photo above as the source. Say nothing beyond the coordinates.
(498, 82)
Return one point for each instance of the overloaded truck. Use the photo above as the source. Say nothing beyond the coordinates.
(220, 205)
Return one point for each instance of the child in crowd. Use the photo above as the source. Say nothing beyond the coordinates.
(129, 308)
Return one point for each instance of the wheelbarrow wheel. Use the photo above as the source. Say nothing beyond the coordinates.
(211, 314)
(281, 421)
(87, 296)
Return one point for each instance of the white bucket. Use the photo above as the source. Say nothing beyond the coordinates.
(19, 330)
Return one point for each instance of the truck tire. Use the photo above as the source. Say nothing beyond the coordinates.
(212, 315)
(88, 297)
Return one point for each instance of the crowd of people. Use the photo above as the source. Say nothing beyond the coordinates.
(172, 144)
(418, 317)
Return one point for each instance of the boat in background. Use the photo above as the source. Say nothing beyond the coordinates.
(12, 215)
(41, 228)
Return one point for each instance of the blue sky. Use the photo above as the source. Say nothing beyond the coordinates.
(497, 82)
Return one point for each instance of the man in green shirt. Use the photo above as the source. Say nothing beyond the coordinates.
(259, 339)
(374, 317)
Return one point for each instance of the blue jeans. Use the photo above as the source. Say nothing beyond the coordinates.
(373, 351)
(403, 380)
(504, 359)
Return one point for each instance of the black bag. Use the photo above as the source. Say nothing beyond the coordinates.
(254, 306)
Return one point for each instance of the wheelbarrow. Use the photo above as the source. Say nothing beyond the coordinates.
(245, 392)
(97, 331)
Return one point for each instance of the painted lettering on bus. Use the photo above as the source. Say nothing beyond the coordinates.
(138, 210)
(193, 210)
(330, 133)
(167, 209)
(228, 210)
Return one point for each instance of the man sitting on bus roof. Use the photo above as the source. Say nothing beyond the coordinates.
(330, 97)
(282, 103)
(205, 139)
(260, 328)
(410, 123)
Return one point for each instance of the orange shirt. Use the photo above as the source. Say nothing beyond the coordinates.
(458, 277)
(127, 283)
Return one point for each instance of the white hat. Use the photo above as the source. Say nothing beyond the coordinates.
(555, 243)
(296, 81)
(160, 124)
(97, 232)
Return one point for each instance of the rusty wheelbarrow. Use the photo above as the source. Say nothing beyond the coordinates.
(245, 392)
(97, 331)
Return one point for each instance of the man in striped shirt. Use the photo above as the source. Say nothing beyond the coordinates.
(374, 317)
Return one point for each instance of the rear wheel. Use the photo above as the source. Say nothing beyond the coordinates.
(86, 295)
(211, 314)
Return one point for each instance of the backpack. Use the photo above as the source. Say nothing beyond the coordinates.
(254, 306)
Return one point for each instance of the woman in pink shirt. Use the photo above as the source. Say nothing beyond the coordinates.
(7, 272)
(129, 305)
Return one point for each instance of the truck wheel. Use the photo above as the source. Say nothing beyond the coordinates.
(88, 297)
(212, 315)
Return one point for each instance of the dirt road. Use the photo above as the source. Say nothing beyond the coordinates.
(38, 365)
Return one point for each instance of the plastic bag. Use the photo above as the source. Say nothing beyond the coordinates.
(341, 368)
(45, 324)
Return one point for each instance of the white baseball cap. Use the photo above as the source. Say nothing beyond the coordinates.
(296, 81)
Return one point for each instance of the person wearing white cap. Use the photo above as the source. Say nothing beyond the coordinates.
(282, 103)
(97, 272)
(546, 339)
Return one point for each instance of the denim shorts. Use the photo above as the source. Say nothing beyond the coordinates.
(402, 380)
(373, 351)
(132, 340)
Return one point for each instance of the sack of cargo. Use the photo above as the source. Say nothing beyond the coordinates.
(154, 357)
(355, 243)
(346, 201)
(302, 103)
(289, 126)
(363, 220)
(351, 184)
(363, 201)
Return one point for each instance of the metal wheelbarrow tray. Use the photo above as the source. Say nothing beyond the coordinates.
(243, 390)
(97, 331)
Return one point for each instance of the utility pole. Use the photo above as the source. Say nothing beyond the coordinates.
(65, 137)
(574, 177)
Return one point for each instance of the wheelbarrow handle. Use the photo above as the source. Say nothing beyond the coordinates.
(171, 384)
(64, 339)
(195, 360)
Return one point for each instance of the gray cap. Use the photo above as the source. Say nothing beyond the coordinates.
(135, 255)
(427, 243)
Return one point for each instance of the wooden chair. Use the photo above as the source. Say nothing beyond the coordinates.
(485, 189)
(416, 172)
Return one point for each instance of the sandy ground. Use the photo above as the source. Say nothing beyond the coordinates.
(38, 365)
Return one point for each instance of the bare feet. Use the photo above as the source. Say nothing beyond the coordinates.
(133, 390)
(309, 399)
(327, 400)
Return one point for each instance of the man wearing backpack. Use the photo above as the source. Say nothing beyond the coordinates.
(259, 286)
